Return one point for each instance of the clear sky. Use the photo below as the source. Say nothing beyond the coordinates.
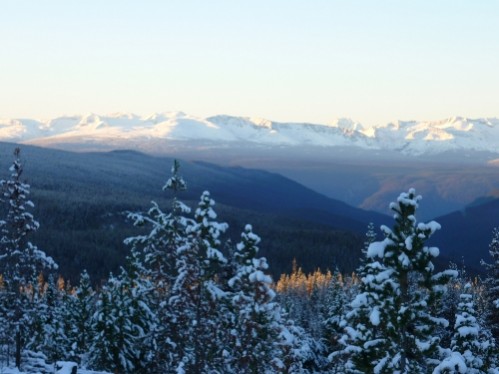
(285, 60)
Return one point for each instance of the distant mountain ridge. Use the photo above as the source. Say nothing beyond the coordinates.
(90, 132)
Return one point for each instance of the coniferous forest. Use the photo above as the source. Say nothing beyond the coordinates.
(188, 300)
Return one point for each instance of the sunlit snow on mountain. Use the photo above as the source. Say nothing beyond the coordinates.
(129, 130)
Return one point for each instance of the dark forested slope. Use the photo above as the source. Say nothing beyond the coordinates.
(82, 198)
(466, 234)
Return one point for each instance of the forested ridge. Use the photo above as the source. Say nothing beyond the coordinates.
(188, 300)
(82, 200)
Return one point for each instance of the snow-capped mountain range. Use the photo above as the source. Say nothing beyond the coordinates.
(122, 130)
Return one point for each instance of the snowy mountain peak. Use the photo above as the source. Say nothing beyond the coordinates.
(123, 129)
(349, 126)
(90, 121)
(163, 116)
(230, 121)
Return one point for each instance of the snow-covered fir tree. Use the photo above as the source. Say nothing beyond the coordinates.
(472, 341)
(141, 319)
(51, 318)
(105, 348)
(20, 260)
(492, 286)
(370, 238)
(123, 323)
(168, 232)
(196, 294)
(449, 303)
(366, 344)
(81, 308)
(299, 351)
(293, 293)
(337, 301)
(392, 322)
(256, 325)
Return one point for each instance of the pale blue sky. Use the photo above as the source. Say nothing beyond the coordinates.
(309, 60)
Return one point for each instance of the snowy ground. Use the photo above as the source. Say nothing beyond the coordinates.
(61, 371)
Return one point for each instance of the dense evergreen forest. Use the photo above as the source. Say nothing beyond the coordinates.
(190, 300)
(82, 200)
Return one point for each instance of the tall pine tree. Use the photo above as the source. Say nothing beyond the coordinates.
(123, 323)
(196, 295)
(160, 247)
(256, 327)
(471, 340)
(393, 330)
(81, 308)
(492, 286)
(20, 260)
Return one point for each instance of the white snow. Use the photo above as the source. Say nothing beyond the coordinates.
(63, 370)
(434, 251)
(416, 138)
(408, 242)
(65, 367)
(465, 331)
(447, 273)
(360, 300)
(432, 226)
(374, 317)
(455, 363)
(259, 276)
(377, 249)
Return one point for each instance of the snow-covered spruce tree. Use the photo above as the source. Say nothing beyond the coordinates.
(293, 295)
(20, 260)
(142, 320)
(337, 302)
(304, 300)
(365, 342)
(123, 323)
(370, 238)
(354, 318)
(449, 303)
(397, 314)
(196, 296)
(104, 350)
(51, 318)
(205, 234)
(472, 341)
(64, 315)
(181, 309)
(256, 325)
(81, 309)
(492, 286)
(298, 351)
(168, 233)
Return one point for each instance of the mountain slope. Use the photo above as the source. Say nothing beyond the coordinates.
(81, 199)
(465, 235)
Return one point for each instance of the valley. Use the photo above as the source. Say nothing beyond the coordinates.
(82, 198)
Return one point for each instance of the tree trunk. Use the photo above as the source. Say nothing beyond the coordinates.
(18, 348)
